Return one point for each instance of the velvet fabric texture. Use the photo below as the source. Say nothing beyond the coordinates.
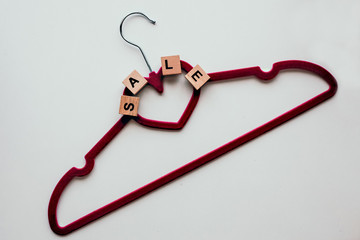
(155, 80)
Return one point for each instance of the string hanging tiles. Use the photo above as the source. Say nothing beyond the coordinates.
(170, 65)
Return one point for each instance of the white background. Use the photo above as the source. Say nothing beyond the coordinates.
(61, 68)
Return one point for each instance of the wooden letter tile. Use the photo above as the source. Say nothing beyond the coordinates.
(129, 105)
(135, 82)
(171, 65)
(197, 77)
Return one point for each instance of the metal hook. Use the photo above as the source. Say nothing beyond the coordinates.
(121, 34)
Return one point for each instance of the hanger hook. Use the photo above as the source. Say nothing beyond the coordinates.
(121, 34)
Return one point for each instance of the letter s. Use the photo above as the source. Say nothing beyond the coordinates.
(129, 105)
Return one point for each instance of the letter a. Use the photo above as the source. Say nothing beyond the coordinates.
(133, 81)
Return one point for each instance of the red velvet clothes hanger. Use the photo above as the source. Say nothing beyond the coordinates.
(155, 80)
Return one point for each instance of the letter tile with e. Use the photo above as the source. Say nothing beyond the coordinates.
(197, 77)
